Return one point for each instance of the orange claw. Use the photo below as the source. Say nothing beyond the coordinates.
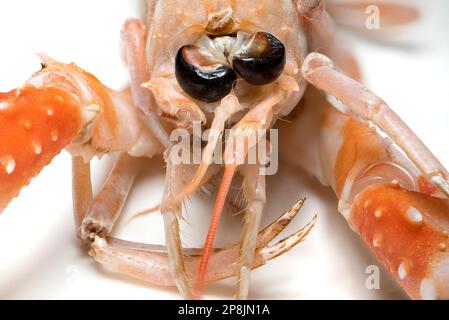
(35, 125)
(408, 231)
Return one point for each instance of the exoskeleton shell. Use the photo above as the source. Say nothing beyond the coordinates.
(190, 21)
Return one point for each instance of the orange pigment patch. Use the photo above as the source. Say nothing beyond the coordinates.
(35, 125)
(406, 230)
(361, 147)
(424, 186)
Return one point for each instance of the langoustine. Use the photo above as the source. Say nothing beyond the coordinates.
(100, 120)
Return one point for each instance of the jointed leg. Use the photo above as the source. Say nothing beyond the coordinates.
(151, 263)
(108, 204)
(138, 260)
(322, 25)
(319, 71)
(245, 136)
(323, 37)
(133, 35)
(173, 183)
(82, 189)
(254, 192)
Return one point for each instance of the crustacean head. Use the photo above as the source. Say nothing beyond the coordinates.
(235, 62)
(248, 49)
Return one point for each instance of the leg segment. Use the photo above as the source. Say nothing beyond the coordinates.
(245, 136)
(319, 71)
(216, 214)
(81, 189)
(315, 13)
(173, 183)
(133, 35)
(108, 204)
(323, 37)
(254, 191)
(403, 222)
(151, 263)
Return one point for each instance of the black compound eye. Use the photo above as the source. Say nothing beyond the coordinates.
(264, 60)
(201, 78)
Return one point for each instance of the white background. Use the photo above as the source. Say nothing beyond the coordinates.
(39, 255)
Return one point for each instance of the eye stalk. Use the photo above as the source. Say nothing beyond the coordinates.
(202, 78)
(263, 61)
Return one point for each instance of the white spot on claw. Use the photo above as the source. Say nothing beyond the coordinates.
(376, 240)
(403, 270)
(37, 148)
(428, 290)
(27, 125)
(8, 163)
(378, 213)
(50, 111)
(4, 105)
(414, 215)
(54, 135)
